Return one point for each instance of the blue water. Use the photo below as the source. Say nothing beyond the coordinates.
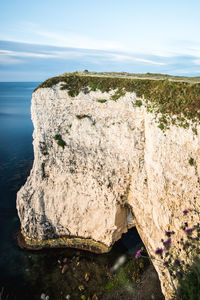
(27, 274)
(16, 157)
(16, 152)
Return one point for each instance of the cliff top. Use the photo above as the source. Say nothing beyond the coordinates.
(175, 99)
(152, 76)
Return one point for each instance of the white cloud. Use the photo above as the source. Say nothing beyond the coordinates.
(5, 54)
(6, 59)
(148, 61)
(124, 58)
(11, 56)
(175, 51)
(24, 54)
(35, 34)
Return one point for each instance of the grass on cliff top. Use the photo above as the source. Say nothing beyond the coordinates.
(178, 100)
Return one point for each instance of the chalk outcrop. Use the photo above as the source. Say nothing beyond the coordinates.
(101, 167)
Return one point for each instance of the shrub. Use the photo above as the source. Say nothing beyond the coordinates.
(80, 117)
(179, 100)
(61, 143)
(182, 263)
(59, 140)
(120, 92)
(101, 100)
(161, 126)
(128, 273)
(57, 137)
(188, 287)
(138, 103)
(194, 129)
(191, 161)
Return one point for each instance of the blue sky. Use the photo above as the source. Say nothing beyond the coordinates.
(40, 39)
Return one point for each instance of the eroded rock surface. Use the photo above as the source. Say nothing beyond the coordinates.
(112, 158)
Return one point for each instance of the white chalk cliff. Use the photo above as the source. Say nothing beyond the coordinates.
(112, 159)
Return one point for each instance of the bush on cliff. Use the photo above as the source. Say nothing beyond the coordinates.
(178, 100)
(181, 260)
(59, 140)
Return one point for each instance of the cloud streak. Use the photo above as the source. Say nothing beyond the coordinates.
(51, 60)
(134, 58)
(33, 33)
(6, 56)
(8, 53)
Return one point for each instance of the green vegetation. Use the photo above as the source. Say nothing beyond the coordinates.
(128, 273)
(57, 137)
(161, 126)
(102, 100)
(69, 126)
(188, 288)
(191, 161)
(59, 140)
(181, 263)
(138, 103)
(194, 129)
(80, 117)
(177, 98)
(120, 92)
(61, 143)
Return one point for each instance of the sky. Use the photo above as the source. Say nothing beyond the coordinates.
(41, 39)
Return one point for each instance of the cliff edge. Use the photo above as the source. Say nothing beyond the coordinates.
(110, 154)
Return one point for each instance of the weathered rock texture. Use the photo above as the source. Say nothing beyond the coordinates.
(115, 158)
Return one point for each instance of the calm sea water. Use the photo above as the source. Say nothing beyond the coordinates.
(26, 274)
(16, 157)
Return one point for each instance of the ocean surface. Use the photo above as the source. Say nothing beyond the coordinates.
(29, 274)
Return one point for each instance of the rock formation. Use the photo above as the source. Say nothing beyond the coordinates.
(103, 166)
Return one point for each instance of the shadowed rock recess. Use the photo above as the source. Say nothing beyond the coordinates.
(107, 159)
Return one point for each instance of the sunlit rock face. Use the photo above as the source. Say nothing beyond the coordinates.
(94, 162)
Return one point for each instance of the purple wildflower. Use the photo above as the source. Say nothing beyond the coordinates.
(166, 263)
(159, 251)
(167, 243)
(138, 254)
(177, 262)
(185, 212)
(168, 233)
(189, 231)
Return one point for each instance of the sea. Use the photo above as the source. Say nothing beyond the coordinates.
(32, 275)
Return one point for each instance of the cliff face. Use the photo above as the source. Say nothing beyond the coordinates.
(101, 167)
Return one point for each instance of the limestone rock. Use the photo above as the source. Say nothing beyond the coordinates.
(114, 162)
